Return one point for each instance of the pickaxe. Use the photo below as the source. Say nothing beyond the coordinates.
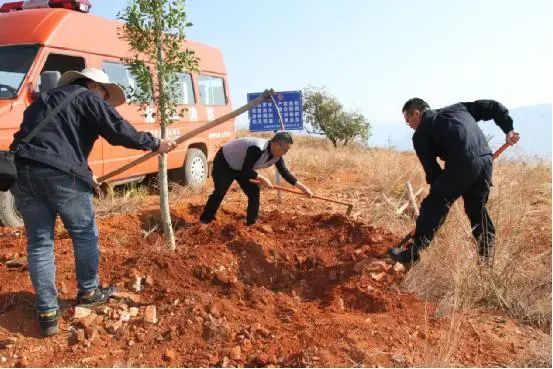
(348, 211)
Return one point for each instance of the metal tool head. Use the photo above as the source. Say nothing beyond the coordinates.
(348, 211)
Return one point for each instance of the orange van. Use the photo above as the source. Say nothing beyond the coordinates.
(41, 39)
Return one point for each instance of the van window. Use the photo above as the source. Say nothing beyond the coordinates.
(185, 91)
(120, 74)
(212, 90)
(63, 63)
(15, 62)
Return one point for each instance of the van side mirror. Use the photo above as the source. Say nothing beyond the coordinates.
(49, 80)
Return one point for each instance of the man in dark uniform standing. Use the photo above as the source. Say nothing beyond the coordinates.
(451, 133)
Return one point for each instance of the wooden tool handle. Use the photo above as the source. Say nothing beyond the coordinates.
(297, 192)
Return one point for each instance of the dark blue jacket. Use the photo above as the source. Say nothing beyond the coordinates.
(451, 133)
(65, 141)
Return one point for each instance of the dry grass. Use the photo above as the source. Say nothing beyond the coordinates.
(121, 199)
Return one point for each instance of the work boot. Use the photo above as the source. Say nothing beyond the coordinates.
(96, 297)
(48, 322)
(408, 256)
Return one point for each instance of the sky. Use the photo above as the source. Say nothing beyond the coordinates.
(374, 55)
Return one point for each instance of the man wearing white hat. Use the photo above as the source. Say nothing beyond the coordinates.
(52, 148)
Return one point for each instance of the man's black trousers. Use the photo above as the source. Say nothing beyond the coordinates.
(223, 176)
(471, 179)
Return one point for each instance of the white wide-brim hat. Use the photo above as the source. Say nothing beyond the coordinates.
(115, 92)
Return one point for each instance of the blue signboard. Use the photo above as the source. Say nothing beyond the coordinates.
(264, 117)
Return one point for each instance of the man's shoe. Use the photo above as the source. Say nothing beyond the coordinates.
(48, 322)
(96, 297)
(403, 256)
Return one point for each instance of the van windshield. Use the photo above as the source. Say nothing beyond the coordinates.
(15, 62)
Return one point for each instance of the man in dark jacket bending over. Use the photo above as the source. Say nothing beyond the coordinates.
(452, 134)
(238, 160)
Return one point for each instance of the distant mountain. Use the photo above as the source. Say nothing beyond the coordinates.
(534, 123)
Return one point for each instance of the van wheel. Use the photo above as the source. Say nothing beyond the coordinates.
(195, 168)
(9, 215)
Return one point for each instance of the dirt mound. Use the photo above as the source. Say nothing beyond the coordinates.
(291, 291)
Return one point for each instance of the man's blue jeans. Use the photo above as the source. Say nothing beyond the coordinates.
(41, 193)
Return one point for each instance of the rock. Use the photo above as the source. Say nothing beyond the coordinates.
(7, 342)
(63, 288)
(400, 359)
(133, 312)
(172, 332)
(81, 312)
(300, 259)
(149, 281)
(273, 359)
(114, 327)
(266, 228)
(379, 266)
(130, 297)
(225, 363)
(3, 359)
(378, 276)
(91, 333)
(332, 275)
(399, 268)
(225, 278)
(20, 262)
(88, 321)
(246, 345)
(80, 335)
(359, 266)
(213, 310)
(136, 284)
(265, 333)
(103, 310)
(236, 353)
(130, 343)
(125, 316)
(150, 315)
(122, 333)
(140, 337)
(169, 355)
(262, 359)
(341, 304)
(22, 363)
(160, 338)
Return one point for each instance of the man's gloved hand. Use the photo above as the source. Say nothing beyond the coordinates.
(304, 189)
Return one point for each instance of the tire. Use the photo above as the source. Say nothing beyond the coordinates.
(9, 215)
(195, 168)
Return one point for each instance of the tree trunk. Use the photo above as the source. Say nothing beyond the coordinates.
(163, 179)
(164, 200)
